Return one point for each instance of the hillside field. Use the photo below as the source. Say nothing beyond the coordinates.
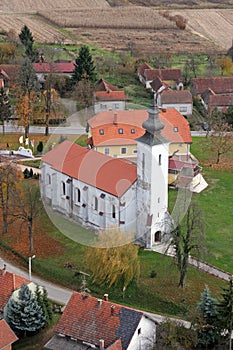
(109, 26)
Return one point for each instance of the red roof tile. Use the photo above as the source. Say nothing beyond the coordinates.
(220, 85)
(176, 96)
(163, 74)
(133, 119)
(86, 320)
(109, 95)
(220, 100)
(9, 282)
(92, 168)
(116, 346)
(54, 67)
(10, 71)
(7, 336)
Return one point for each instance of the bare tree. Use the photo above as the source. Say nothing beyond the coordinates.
(28, 207)
(9, 178)
(221, 140)
(188, 237)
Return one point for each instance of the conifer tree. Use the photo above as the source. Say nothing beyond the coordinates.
(24, 314)
(225, 311)
(208, 332)
(42, 298)
(84, 66)
(27, 40)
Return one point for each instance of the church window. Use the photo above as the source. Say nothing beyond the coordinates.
(123, 150)
(95, 203)
(158, 199)
(120, 131)
(160, 159)
(113, 212)
(101, 131)
(77, 195)
(143, 165)
(63, 188)
(157, 236)
(48, 179)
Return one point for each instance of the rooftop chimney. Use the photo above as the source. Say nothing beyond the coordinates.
(101, 342)
(106, 297)
(112, 310)
(4, 270)
(99, 302)
(115, 118)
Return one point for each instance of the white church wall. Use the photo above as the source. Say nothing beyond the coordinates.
(144, 336)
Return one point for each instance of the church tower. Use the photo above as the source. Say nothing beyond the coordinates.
(152, 185)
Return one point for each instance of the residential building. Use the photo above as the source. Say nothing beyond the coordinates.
(181, 100)
(108, 97)
(93, 323)
(7, 336)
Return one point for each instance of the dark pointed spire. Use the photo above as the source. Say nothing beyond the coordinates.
(153, 126)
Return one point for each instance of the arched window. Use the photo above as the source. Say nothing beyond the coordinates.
(48, 179)
(160, 159)
(77, 195)
(95, 203)
(113, 211)
(63, 188)
(157, 236)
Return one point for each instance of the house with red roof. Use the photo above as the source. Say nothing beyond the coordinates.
(7, 336)
(43, 69)
(181, 100)
(108, 97)
(90, 323)
(115, 132)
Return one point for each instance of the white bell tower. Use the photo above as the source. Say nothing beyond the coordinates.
(152, 185)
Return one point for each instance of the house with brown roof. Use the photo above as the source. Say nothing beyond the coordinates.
(181, 100)
(88, 323)
(9, 283)
(7, 336)
(169, 76)
(213, 92)
(43, 69)
(108, 97)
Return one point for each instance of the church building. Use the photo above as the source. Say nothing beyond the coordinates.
(101, 192)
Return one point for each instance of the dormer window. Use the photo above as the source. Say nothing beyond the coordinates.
(175, 128)
(101, 131)
(132, 131)
(120, 131)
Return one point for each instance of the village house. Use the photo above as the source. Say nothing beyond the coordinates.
(181, 100)
(7, 336)
(214, 93)
(171, 77)
(90, 323)
(60, 68)
(108, 97)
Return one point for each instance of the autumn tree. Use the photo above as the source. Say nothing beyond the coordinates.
(188, 237)
(112, 263)
(84, 66)
(225, 64)
(28, 207)
(83, 93)
(9, 178)
(26, 94)
(5, 108)
(27, 40)
(7, 52)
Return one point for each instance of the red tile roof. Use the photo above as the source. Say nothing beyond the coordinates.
(116, 346)
(218, 85)
(9, 282)
(109, 95)
(103, 85)
(54, 67)
(163, 74)
(10, 71)
(133, 119)
(220, 101)
(86, 320)
(92, 168)
(7, 336)
(176, 96)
